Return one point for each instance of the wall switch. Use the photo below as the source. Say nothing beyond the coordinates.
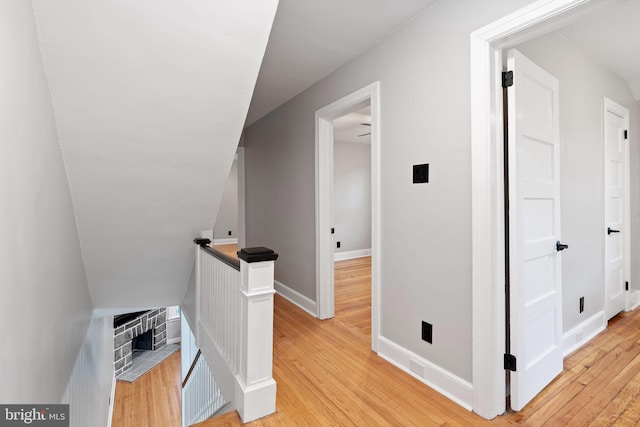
(337, 244)
(427, 332)
(581, 304)
(420, 173)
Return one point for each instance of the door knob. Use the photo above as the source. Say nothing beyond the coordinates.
(560, 246)
(610, 230)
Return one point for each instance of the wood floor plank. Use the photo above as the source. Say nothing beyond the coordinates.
(152, 400)
(229, 249)
(327, 375)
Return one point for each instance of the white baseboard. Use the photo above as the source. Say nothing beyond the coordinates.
(583, 333)
(225, 241)
(296, 298)
(111, 400)
(173, 340)
(634, 300)
(341, 256)
(439, 379)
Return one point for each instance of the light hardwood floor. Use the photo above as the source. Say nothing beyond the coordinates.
(153, 400)
(327, 375)
(230, 249)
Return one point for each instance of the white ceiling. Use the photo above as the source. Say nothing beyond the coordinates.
(612, 35)
(349, 127)
(312, 38)
(150, 97)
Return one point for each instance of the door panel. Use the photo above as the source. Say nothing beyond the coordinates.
(616, 208)
(534, 224)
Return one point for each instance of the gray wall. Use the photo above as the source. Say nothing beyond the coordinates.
(583, 85)
(426, 229)
(45, 306)
(227, 219)
(352, 195)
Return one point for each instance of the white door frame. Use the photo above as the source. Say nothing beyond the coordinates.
(619, 110)
(242, 234)
(324, 201)
(488, 261)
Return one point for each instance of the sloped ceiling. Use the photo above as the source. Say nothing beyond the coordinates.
(150, 97)
(312, 38)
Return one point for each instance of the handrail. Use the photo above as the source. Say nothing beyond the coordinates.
(231, 262)
(193, 365)
(234, 325)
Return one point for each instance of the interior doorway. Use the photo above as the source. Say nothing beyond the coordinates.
(616, 209)
(488, 176)
(352, 218)
(228, 234)
(325, 210)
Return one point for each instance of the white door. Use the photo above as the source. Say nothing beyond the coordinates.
(616, 207)
(534, 229)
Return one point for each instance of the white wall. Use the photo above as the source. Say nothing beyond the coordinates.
(90, 386)
(423, 71)
(45, 308)
(227, 219)
(352, 196)
(583, 85)
(173, 324)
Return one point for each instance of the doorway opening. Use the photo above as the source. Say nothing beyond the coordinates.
(488, 217)
(228, 234)
(326, 245)
(352, 218)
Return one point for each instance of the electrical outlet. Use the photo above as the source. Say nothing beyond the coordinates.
(581, 304)
(427, 332)
(421, 173)
(337, 244)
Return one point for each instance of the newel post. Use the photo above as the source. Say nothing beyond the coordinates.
(255, 386)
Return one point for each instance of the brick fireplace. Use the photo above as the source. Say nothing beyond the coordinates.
(128, 327)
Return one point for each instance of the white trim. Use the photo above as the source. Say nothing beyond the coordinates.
(324, 196)
(620, 111)
(296, 298)
(634, 299)
(441, 380)
(225, 241)
(583, 333)
(241, 199)
(341, 256)
(174, 320)
(487, 192)
(111, 399)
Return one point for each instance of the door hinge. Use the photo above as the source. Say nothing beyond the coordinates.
(626, 134)
(510, 362)
(507, 79)
(626, 286)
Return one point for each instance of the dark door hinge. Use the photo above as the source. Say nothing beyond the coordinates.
(510, 362)
(507, 79)
(626, 134)
(626, 286)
